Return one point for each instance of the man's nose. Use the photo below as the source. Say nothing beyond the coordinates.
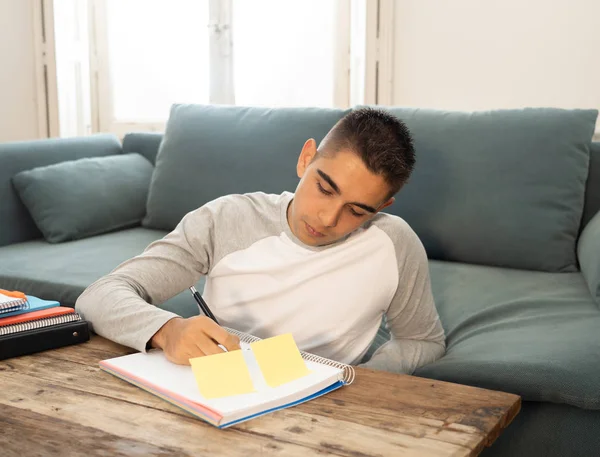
(329, 217)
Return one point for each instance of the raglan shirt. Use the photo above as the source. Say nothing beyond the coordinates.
(262, 280)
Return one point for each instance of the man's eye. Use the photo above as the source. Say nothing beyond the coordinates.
(322, 189)
(354, 213)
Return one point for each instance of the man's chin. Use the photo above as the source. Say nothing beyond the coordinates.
(317, 242)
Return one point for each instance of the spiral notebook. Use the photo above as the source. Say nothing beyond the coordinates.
(10, 303)
(40, 322)
(28, 305)
(176, 384)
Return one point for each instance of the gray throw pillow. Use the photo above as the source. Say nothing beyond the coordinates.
(211, 151)
(503, 188)
(81, 198)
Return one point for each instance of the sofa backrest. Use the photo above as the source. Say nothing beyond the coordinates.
(503, 187)
(146, 144)
(16, 225)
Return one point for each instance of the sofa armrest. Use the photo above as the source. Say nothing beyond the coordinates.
(588, 251)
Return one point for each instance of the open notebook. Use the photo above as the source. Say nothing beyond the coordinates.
(177, 384)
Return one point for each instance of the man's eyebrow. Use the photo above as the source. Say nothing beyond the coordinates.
(330, 181)
(335, 187)
(368, 208)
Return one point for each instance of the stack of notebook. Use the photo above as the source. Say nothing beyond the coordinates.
(29, 324)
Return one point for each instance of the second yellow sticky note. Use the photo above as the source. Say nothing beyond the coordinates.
(279, 359)
(222, 375)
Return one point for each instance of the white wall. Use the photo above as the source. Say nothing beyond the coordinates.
(18, 105)
(484, 54)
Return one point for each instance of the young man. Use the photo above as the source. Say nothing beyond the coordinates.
(322, 263)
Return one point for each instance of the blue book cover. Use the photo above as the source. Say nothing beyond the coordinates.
(34, 304)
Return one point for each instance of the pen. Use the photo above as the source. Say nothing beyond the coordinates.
(206, 310)
(202, 304)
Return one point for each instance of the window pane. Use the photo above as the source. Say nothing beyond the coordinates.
(283, 52)
(157, 56)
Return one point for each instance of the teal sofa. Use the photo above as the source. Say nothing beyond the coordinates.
(506, 204)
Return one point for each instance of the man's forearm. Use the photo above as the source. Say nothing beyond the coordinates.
(117, 311)
(404, 355)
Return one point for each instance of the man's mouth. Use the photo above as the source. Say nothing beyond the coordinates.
(311, 231)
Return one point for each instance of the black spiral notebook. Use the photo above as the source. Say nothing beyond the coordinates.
(30, 340)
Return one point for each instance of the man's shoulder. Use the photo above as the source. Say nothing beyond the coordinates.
(393, 225)
(254, 203)
(402, 235)
(235, 221)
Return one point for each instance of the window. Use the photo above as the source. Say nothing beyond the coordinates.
(157, 54)
(284, 52)
(153, 53)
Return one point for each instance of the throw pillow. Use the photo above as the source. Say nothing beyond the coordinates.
(209, 151)
(502, 188)
(81, 198)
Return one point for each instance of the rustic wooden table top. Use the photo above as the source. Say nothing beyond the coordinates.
(60, 403)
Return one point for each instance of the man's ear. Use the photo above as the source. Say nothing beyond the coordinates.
(386, 204)
(309, 150)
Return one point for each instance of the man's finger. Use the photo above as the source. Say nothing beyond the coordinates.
(207, 345)
(183, 355)
(220, 335)
(232, 343)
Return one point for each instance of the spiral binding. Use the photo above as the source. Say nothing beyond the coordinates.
(39, 323)
(347, 370)
(14, 305)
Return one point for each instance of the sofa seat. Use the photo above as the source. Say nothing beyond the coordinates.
(62, 271)
(534, 334)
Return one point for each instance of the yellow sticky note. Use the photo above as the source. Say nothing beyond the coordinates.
(222, 375)
(279, 359)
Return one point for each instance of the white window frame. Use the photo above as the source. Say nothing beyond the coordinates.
(372, 52)
(46, 94)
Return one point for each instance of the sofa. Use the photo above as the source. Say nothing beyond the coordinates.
(505, 202)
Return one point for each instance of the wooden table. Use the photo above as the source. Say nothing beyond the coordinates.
(60, 403)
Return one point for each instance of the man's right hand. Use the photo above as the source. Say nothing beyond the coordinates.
(182, 339)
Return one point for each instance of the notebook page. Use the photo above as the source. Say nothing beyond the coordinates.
(179, 380)
(6, 299)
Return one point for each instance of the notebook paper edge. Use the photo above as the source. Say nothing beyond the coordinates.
(318, 394)
(211, 416)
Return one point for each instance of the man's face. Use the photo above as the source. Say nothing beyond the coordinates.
(335, 196)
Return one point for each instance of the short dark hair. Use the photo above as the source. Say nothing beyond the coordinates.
(380, 139)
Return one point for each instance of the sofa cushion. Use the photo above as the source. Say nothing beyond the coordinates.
(530, 333)
(588, 249)
(211, 151)
(62, 271)
(543, 429)
(502, 188)
(592, 191)
(24, 155)
(81, 198)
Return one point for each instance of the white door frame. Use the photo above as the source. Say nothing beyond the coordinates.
(46, 94)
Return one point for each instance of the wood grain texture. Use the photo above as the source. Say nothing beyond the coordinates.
(60, 403)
